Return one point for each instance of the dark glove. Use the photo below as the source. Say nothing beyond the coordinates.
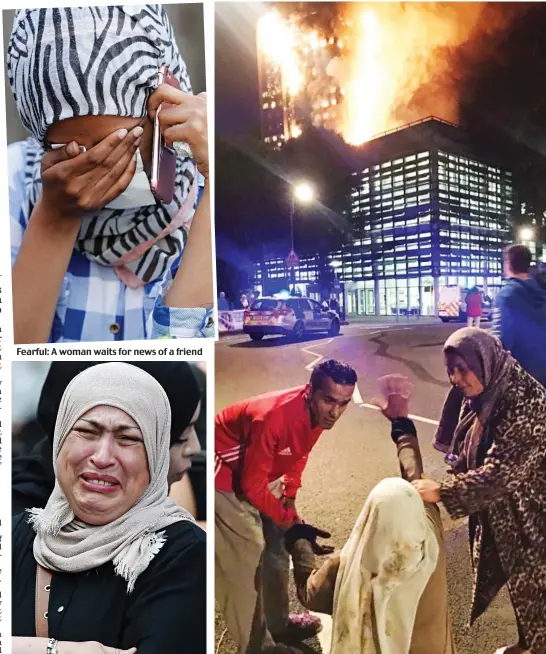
(310, 533)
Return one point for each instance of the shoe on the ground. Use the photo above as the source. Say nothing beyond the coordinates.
(301, 626)
(513, 649)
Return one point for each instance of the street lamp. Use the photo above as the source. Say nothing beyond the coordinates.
(303, 193)
(526, 234)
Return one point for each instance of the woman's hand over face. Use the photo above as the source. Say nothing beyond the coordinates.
(428, 489)
(74, 182)
(186, 122)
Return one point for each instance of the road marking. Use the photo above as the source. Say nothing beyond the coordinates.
(428, 421)
(357, 398)
(318, 356)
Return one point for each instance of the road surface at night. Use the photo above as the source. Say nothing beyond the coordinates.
(349, 460)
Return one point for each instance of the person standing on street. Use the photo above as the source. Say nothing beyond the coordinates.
(473, 302)
(223, 304)
(261, 448)
(519, 315)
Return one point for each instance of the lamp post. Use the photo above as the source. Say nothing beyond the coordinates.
(336, 265)
(303, 193)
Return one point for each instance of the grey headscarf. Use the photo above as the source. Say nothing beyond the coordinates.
(65, 544)
(95, 61)
(491, 363)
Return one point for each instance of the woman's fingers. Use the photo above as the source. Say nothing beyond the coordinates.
(54, 157)
(116, 160)
(166, 93)
(97, 155)
(115, 183)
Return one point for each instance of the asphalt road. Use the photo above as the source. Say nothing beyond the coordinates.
(350, 459)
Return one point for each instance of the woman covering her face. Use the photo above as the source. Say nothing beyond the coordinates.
(128, 565)
(97, 259)
(384, 569)
(494, 428)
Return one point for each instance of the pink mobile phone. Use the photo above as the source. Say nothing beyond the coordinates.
(163, 156)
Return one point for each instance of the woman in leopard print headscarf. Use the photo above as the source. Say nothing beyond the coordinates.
(497, 434)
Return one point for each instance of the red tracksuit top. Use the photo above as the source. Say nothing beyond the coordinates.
(260, 440)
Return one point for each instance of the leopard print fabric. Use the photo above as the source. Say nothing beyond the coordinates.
(506, 500)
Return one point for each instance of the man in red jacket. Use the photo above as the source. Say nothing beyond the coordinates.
(261, 448)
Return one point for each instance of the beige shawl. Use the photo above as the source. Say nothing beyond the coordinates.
(384, 569)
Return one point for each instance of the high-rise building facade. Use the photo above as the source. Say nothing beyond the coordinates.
(426, 210)
(294, 85)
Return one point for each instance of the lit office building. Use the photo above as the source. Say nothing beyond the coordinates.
(427, 211)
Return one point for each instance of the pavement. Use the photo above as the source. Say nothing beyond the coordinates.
(350, 459)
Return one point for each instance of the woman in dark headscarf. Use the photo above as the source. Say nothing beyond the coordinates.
(33, 477)
(494, 429)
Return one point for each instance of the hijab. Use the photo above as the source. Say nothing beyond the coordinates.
(64, 543)
(33, 478)
(462, 431)
(94, 61)
(384, 568)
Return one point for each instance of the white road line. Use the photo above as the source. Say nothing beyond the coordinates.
(318, 356)
(357, 398)
(313, 363)
(411, 416)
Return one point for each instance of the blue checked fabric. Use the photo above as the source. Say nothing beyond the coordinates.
(94, 304)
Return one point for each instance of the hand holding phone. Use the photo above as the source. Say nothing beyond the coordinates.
(183, 122)
(163, 174)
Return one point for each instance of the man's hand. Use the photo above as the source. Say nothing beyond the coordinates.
(310, 533)
(428, 489)
(396, 391)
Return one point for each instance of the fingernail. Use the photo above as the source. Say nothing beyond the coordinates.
(122, 133)
(137, 131)
(137, 142)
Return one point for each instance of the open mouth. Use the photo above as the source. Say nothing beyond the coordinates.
(100, 483)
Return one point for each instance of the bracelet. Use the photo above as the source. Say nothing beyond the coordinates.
(401, 427)
(52, 646)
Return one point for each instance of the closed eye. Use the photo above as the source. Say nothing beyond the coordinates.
(129, 439)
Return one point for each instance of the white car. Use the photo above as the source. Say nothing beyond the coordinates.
(292, 316)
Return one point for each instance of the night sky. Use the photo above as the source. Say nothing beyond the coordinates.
(498, 76)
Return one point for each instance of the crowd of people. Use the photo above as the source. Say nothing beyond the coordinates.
(386, 589)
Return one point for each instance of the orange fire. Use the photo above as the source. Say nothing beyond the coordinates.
(393, 66)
